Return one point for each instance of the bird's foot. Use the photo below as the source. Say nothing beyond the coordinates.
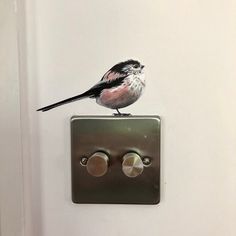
(122, 114)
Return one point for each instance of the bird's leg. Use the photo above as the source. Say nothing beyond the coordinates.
(118, 112)
(121, 114)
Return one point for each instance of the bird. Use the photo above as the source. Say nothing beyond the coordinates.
(119, 87)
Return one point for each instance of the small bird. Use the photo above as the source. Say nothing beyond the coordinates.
(120, 86)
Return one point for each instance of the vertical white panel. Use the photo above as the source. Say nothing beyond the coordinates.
(11, 177)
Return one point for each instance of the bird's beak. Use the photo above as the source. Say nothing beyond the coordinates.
(142, 66)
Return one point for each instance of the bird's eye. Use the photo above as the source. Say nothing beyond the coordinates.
(136, 66)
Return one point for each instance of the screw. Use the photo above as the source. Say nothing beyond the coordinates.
(146, 161)
(84, 161)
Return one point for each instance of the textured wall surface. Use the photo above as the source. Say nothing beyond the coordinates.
(189, 51)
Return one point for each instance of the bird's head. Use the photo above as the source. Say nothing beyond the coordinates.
(128, 67)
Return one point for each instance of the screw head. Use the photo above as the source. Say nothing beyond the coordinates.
(146, 161)
(83, 161)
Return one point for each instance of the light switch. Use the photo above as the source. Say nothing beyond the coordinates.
(132, 164)
(97, 164)
(115, 159)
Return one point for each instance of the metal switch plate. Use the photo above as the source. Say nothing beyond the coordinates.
(115, 136)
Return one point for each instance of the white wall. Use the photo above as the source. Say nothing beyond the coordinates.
(189, 51)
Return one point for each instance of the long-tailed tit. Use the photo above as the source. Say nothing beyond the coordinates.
(121, 86)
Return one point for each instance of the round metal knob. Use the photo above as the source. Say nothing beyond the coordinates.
(132, 165)
(97, 164)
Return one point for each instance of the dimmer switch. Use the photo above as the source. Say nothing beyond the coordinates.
(132, 164)
(97, 164)
(115, 159)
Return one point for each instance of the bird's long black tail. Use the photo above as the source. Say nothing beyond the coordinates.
(92, 92)
(68, 100)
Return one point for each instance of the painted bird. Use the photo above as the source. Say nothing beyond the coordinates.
(120, 86)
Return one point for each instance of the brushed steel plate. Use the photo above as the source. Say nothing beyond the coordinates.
(115, 136)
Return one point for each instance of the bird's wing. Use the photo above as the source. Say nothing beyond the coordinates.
(96, 90)
(112, 75)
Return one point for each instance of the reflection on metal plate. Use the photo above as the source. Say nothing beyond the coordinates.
(115, 159)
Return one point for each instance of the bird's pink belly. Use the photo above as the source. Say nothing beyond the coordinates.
(117, 98)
